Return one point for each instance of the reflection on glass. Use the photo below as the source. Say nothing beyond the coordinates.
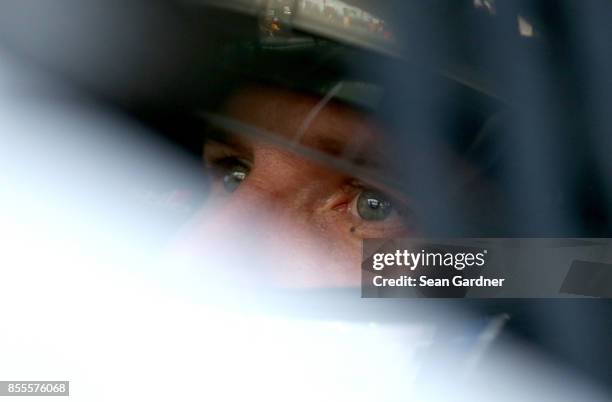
(525, 28)
(341, 14)
(488, 5)
(277, 18)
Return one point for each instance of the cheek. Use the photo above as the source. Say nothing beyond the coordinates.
(329, 254)
(315, 238)
(275, 243)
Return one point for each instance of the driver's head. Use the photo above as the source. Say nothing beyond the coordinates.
(296, 189)
(302, 152)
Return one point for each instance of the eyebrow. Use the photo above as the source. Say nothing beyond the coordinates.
(226, 137)
(330, 151)
(329, 146)
(360, 155)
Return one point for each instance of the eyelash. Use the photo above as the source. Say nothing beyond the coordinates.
(226, 162)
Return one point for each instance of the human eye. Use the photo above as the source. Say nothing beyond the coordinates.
(228, 165)
(373, 205)
(228, 168)
(231, 172)
(378, 214)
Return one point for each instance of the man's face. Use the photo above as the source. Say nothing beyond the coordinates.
(311, 215)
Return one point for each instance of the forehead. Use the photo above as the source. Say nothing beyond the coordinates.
(304, 118)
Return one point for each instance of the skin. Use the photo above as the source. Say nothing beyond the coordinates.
(297, 209)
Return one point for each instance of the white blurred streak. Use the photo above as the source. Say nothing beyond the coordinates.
(484, 342)
(488, 5)
(525, 28)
